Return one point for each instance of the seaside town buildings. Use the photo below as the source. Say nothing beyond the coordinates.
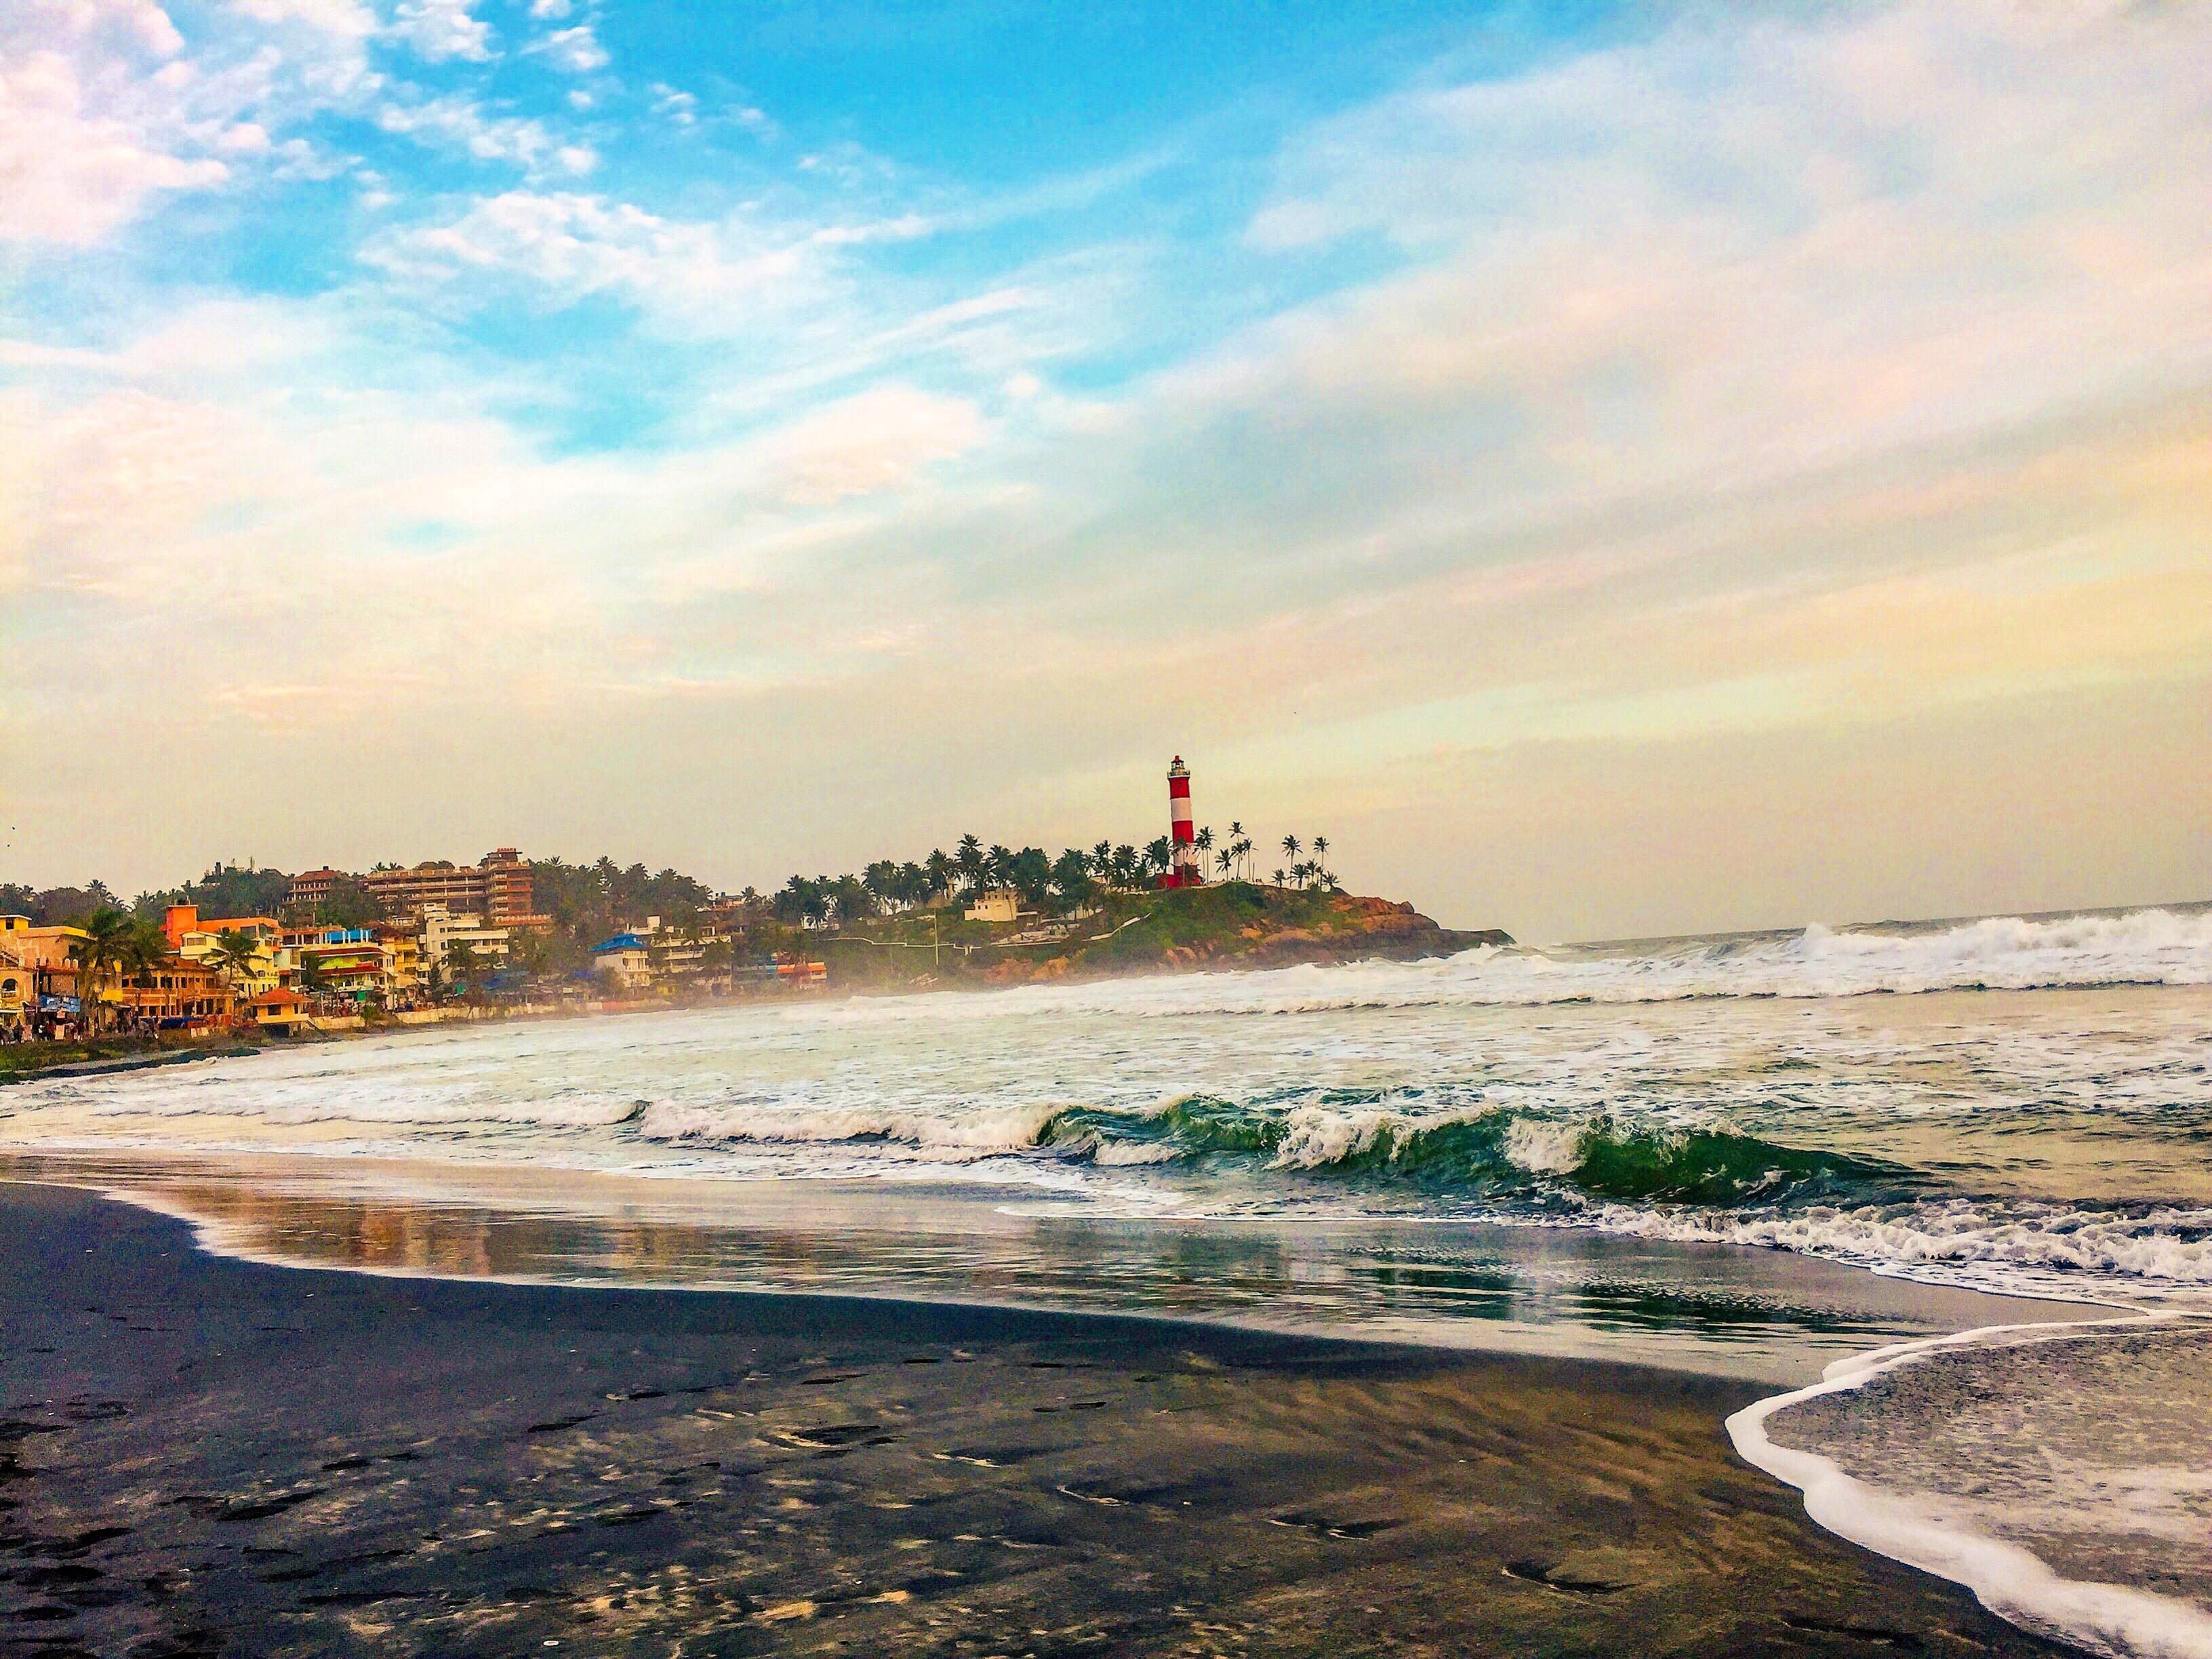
(292, 973)
(407, 937)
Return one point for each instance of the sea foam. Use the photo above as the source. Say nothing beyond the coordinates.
(1995, 1459)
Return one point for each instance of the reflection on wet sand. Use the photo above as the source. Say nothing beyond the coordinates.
(1713, 1309)
(206, 1456)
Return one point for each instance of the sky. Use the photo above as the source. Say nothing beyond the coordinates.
(1611, 470)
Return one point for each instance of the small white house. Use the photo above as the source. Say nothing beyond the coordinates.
(999, 904)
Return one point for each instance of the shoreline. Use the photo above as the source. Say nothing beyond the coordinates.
(339, 1461)
(1778, 1316)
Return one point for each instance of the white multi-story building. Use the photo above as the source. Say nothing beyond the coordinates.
(442, 929)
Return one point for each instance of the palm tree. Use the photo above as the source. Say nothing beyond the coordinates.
(461, 963)
(1236, 848)
(1321, 847)
(1222, 861)
(969, 858)
(236, 956)
(1289, 846)
(1278, 877)
(109, 941)
(1241, 847)
(1159, 853)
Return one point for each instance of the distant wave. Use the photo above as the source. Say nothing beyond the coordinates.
(2010, 953)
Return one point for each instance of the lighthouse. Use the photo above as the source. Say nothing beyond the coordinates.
(1185, 871)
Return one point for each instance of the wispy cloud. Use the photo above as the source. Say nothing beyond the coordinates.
(1750, 378)
(576, 50)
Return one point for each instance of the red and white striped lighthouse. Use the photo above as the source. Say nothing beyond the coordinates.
(1186, 871)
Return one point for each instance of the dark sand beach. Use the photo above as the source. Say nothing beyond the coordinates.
(201, 1455)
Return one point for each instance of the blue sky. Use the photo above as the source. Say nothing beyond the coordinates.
(1609, 469)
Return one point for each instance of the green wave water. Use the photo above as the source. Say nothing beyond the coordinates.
(1601, 1157)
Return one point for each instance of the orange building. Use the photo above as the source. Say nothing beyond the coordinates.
(498, 889)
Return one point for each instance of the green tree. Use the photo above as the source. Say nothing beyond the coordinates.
(236, 955)
(1072, 880)
(1159, 853)
(461, 965)
(109, 947)
(350, 905)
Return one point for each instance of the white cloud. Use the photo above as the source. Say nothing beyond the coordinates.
(442, 29)
(457, 123)
(576, 50)
(544, 8)
(345, 19)
(678, 109)
(70, 173)
(878, 440)
(572, 244)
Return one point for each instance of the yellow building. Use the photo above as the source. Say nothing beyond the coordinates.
(195, 939)
(42, 963)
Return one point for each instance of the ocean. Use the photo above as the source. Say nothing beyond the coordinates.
(1778, 1155)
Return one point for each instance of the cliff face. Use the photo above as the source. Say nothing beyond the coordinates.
(1242, 925)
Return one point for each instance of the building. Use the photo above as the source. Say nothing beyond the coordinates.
(195, 938)
(281, 1010)
(403, 951)
(310, 888)
(509, 900)
(625, 961)
(15, 988)
(175, 994)
(999, 904)
(41, 956)
(498, 890)
(443, 929)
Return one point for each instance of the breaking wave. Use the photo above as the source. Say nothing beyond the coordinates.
(1704, 1185)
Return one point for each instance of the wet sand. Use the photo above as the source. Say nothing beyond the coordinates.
(200, 1455)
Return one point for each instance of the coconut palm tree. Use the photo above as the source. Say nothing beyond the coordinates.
(108, 945)
(236, 955)
(1159, 855)
(1291, 847)
(1279, 882)
(461, 963)
(1222, 862)
(1321, 847)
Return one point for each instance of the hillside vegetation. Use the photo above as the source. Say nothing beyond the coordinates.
(1236, 923)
